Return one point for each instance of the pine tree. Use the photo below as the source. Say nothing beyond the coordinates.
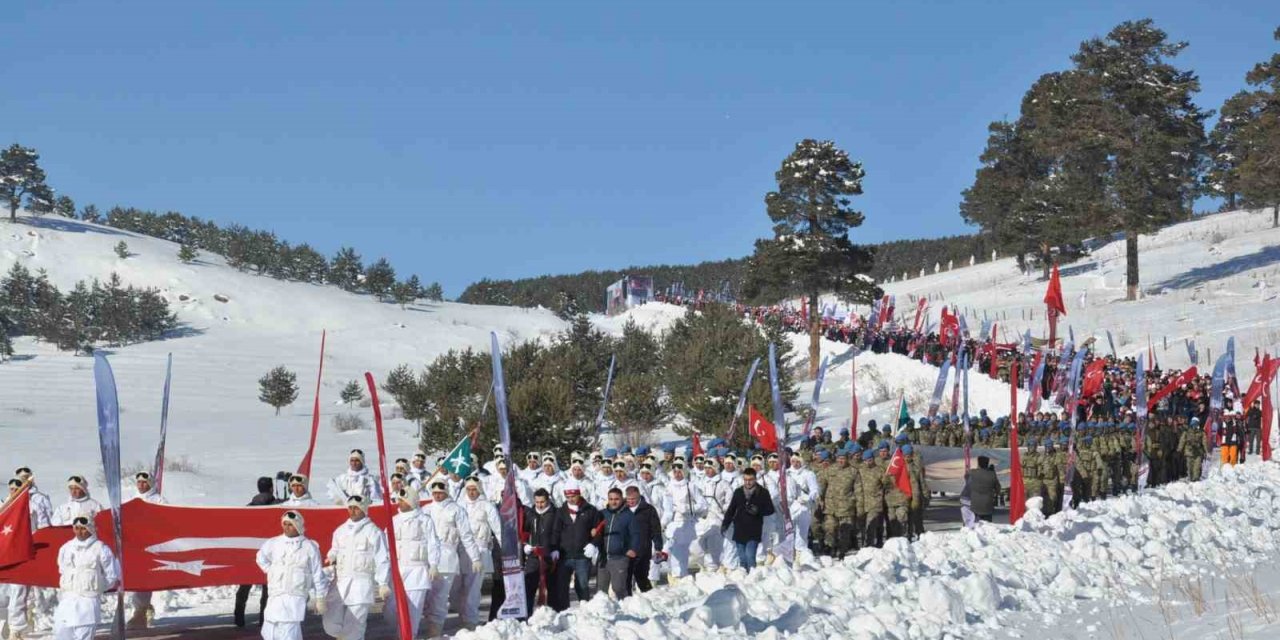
(122, 249)
(279, 388)
(346, 269)
(379, 278)
(1130, 133)
(352, 392)
(810, 253)
(6, 347)
(21, 178)
(1258, 148)
(188, 253)
(414, 286)
(90, 214)
(65, 207)
(403, 293)
(434, 292)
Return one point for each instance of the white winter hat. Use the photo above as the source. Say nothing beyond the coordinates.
(86, 522)
(78, 481)
(572, 488)
(359, 502)
(356, 454)
(298, 478)
(408, 495)
(295, 518)
(439, 485)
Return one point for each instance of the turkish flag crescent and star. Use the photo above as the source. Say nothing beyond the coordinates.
(171, 547)
(16, 544)
(1093, 375)
(898, 469)
(762, 430)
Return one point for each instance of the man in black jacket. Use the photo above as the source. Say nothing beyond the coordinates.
(576, 524)
(747, 510)
(266, 497)
(648, 527)
(983, 487)
(541, 548)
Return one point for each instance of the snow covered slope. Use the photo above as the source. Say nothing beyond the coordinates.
(47, 418)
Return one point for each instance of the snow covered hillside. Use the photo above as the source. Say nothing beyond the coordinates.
(47, 418)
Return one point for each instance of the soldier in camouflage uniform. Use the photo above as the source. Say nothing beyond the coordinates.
(897, 503)
(871, 492)
(1031, 462)
(839, 506)
(1194, 450)
(919, 492)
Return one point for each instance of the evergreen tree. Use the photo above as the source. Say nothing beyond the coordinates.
(122, 249)
(810, 253)
(21, 178)
(65, 207)
(352, 392)
(90, 214)
(434, 292)
(6, 347)
(346, 270)
(188, 253)
(566, 306)
(1129, 133)
(379, 278)
(638, 403)
(279, 388)
(403, 293)
(1258, 148)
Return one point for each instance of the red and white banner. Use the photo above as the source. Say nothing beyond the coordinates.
(762, 430)
(171, 547)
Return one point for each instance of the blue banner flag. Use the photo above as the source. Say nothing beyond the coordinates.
(1140, 408)
(1192, 354)
(157, 468)
(605, 403)
(109, 443)
(964, 378)
(938, 388)
(742, 401)
(788, 548)
(509, 509)
(1111, 342)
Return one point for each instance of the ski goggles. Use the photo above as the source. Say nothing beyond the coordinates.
(21, 470)
(80, 521)
(76, 480)
(142, 475)
(292, 516)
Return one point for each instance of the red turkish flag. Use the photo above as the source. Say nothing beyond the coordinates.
(1266, 371)
(762, 430)
(898, 469)
(1093, 375)
(697, 445)
(171, 547)
(16, 544)
(1053, 295)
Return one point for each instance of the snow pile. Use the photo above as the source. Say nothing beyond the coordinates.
(960, 583)
(655, 317)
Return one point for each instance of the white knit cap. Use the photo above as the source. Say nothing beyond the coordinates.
(295, 517)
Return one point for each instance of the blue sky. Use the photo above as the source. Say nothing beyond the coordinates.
(510, 139)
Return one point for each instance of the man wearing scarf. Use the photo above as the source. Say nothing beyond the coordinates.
(576, 525)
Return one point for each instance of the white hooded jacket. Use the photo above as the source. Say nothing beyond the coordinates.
(359, 550)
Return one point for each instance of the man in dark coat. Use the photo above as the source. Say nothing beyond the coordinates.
(747, 510)
(618, 546)
(984, 487)
(575, 524)
(648, 527)
(266, 497)
(541, 547)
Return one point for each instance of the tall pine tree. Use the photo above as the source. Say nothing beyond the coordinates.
(811, 253)
(22, 179)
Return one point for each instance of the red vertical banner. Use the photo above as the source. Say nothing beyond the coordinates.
(304, 467)
(402, 598)
(1267, 410)
(1017, 490)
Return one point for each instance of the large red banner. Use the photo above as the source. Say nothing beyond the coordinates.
(172, 547)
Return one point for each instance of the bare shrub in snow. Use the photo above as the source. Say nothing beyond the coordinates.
(181, 463)
(25, 411)
(344, 422)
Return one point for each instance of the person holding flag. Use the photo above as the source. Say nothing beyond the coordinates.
(292, 564)
(898, 493)
(13, 597)
(482, 513)
(360, 559)
(143, 612)
(86, 569)
(457, 542)
(417, 553)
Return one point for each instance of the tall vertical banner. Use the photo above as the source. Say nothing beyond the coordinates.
(817, 392)
(853, 391)
(742, 401)
(604, 404)
(1112, 343)
(1073, 398)
(304, 467)
(1191, 351)
(958, 360)
(1268, 414)
(509, 508)
(1017, 489)
(109, 443)
(938, 387)
(403, 619)
(1033, 388)
(157, 468)
(1054, 306)
(788, 545)
(1214, 424)
(968, 431)
(1140, 436)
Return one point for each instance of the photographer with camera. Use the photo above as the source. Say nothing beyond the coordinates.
(747, 510)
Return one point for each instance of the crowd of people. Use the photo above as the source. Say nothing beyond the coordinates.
(626, 519)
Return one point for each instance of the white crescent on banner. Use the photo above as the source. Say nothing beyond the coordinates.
(178, 545)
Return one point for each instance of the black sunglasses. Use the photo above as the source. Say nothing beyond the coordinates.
(76, 479)
(80, 521)
(22, 470)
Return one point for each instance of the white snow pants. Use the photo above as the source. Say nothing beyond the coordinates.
(729, 553)
(417, 599)
(438, 599)
(801, 519)
(710, 546)
(282, 631)
(14, 597)
(344, 621)
(680, 537)
(82, 632)
(466, 596)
